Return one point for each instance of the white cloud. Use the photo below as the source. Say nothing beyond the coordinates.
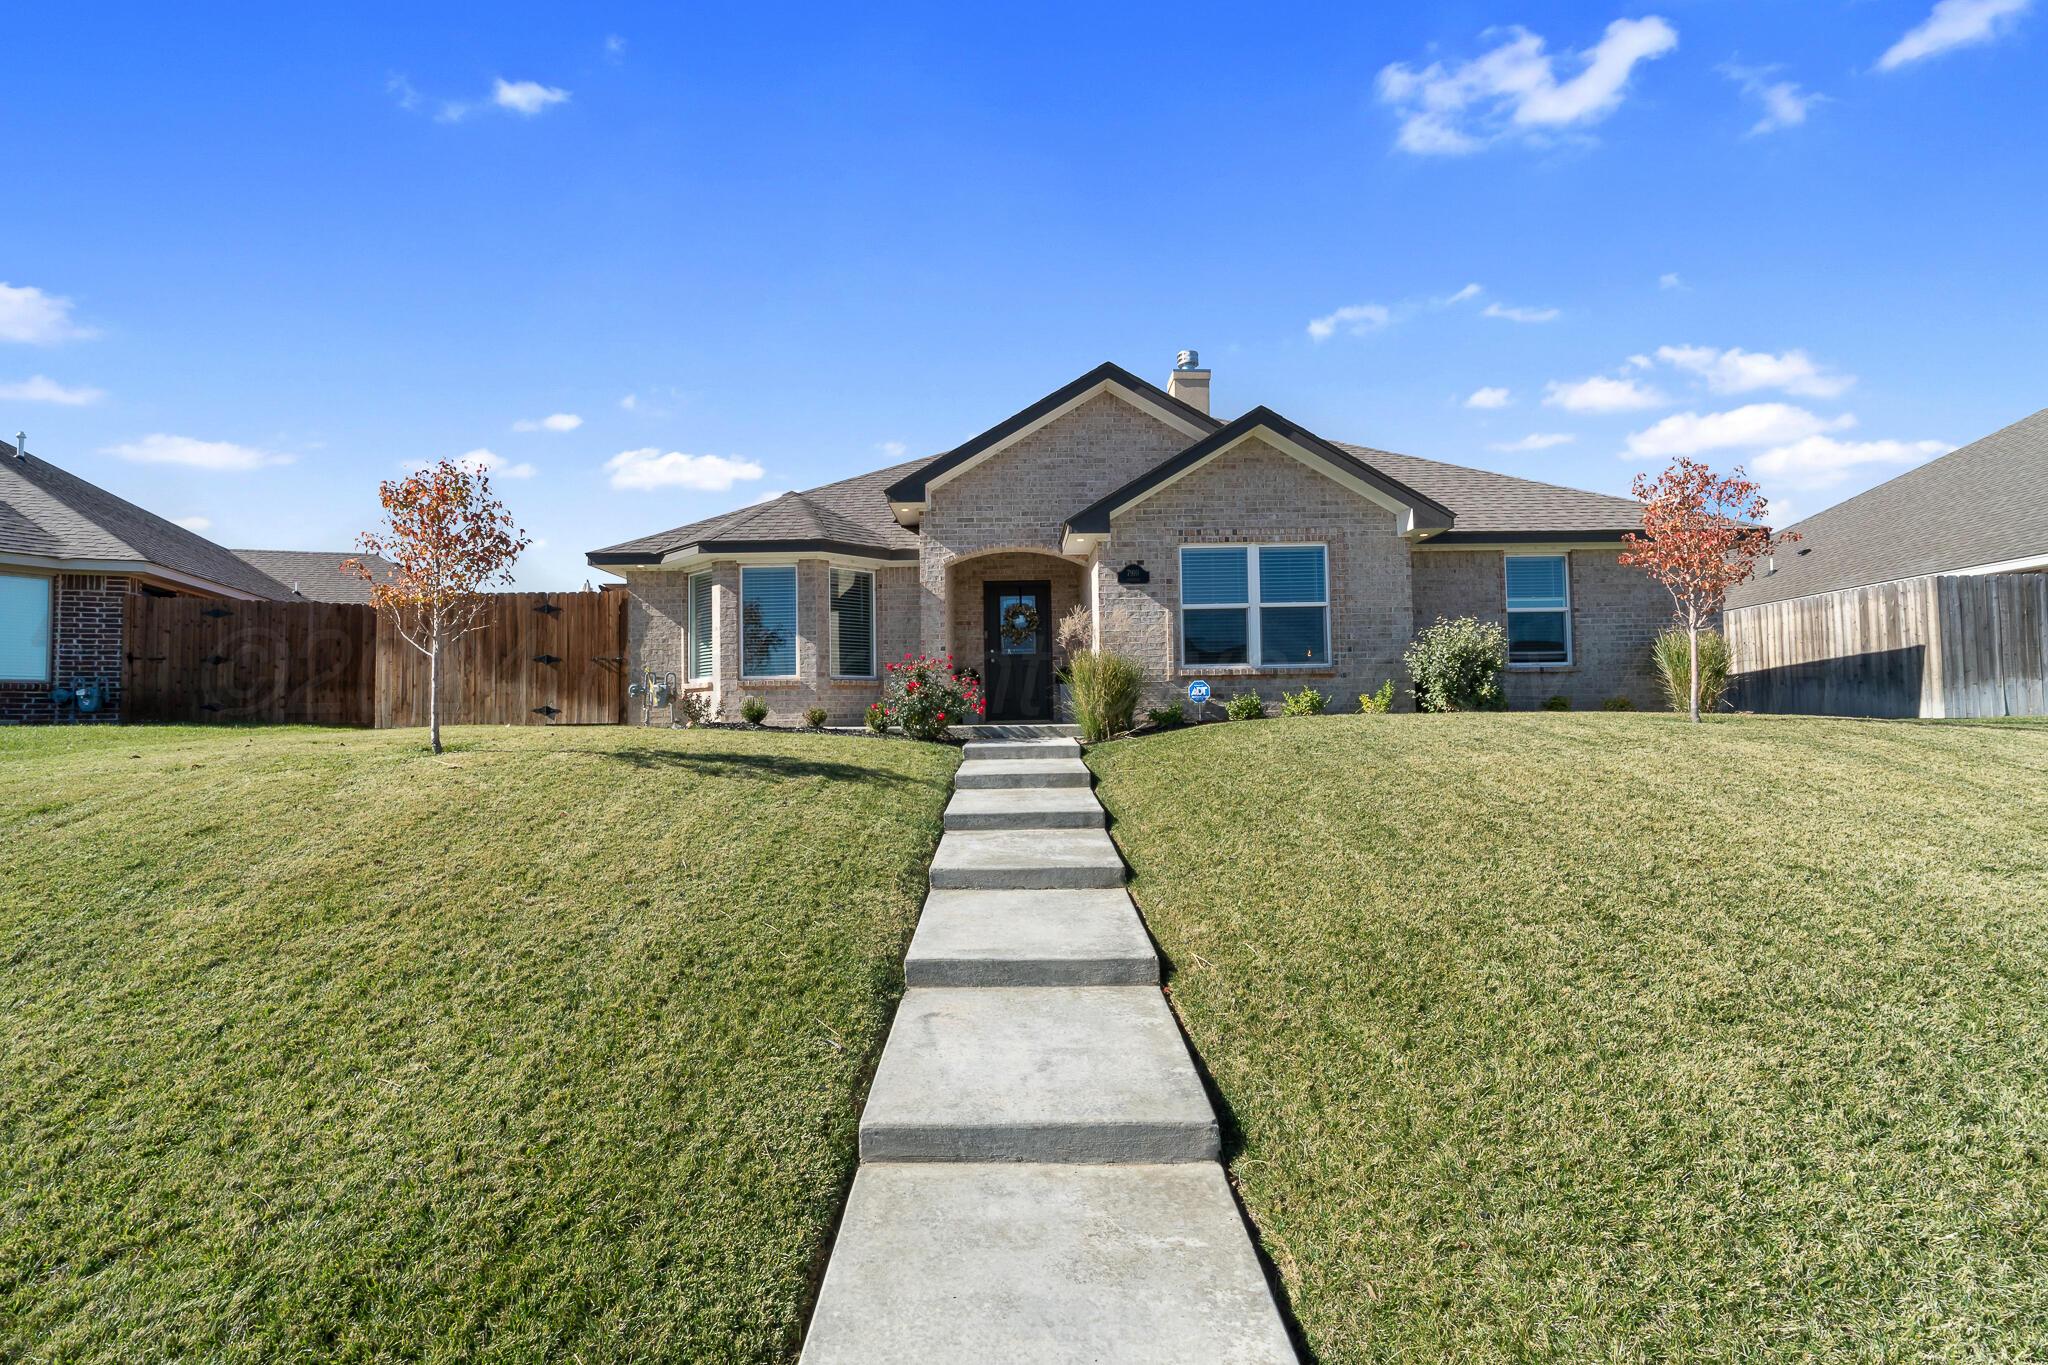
(648, 468)
(1356, 318)
(1953, 24)
(196, 524)
(1821, 461)
(1470, 291)
(630, 402)
(484, 461)
(1738, 371)
(1456, 108)
(561, 421)
(614, 45)
(895, 450)
(220, 456)
(525, 97)
(1537, 440)
(1502, 310)
(28, 314)
(43, 389)
(1602, 394)
(1784, 104)
(1757, 424)
(1669, 280)
(1489, 398)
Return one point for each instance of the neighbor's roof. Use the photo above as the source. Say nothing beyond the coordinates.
(1984, 504)
(49, 515)
(317, 575)
(849, 517)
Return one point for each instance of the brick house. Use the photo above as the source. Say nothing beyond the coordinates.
(71, 553)
(1253, 553)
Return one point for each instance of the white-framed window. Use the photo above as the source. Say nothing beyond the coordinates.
(1539, 602)
(768, 621)
(25, 615)
(1268, 604)
(698, 656)
(853, 623)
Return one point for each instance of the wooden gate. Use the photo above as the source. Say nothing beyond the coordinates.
(539, 659)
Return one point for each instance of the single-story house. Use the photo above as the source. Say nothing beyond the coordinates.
(1253, 554)
(1924, 596)
(70, 553)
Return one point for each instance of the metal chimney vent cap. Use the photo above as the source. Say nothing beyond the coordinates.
(1188, 360)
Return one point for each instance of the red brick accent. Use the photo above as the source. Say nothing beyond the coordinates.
(86, 645)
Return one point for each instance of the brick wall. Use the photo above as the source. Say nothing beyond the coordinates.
(1258, 493)
(85, 644)
(1616, 613)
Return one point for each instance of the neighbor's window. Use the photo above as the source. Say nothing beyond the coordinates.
(1539, 609)
(1268, 603)
(768, 622)
(853, 623)
(700, 657)
(24, 629)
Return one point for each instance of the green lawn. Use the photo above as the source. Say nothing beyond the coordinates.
(1600, 1037)
(316, 1047)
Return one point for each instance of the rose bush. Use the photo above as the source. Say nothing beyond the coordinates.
(924, 694)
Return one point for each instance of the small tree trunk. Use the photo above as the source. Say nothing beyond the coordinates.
(434, 687)
(1692, 632)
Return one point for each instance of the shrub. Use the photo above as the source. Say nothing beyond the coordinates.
(1672, 654)
(814, 717)
(1377, 703)
(1558, 702)
(924, 694)
(692, 709)
(1617, 704)
(1106, 686)
(878, 718)
(753, 710)
(1167, 716)
(1457, 665)
(1307, 702)
(1244, 706)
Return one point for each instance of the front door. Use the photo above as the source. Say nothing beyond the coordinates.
(1017, 654)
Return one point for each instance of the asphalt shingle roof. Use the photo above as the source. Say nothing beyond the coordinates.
(317, 575)
(1484, 501)
(1983, 504)
(852, 511)
(56, 515)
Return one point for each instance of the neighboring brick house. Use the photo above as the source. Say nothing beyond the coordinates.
(70, 554)
(1253, 554)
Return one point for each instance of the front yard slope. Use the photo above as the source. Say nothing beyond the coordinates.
(1602, 1037)
(316, 1047)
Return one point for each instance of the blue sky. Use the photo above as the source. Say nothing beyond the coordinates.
(256, 259)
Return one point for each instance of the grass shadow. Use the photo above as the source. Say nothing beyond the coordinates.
(738, 763)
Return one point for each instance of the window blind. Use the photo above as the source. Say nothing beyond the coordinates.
(701, 658)
(1212, 577)
(24, 628)
(768, 621)
(1536, 582)
(853, 623)
(1291, 573)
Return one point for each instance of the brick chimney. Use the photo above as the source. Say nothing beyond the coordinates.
(1190, 382)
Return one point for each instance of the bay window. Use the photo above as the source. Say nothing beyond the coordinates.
(698, 660)
(853, 623)
(768, 621)
(1264, 604)
(1539, 607)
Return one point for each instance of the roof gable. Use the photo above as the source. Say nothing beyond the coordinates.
(907, 495)
(1416, 511)
(850, 517)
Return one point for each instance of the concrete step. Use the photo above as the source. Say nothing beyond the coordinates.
(1014, 730)
(1033, 1265)
(1021, 750)
(1020, 772)
(1056, 1073)
(1025, 808)
(1030, 938)
(1026, 860)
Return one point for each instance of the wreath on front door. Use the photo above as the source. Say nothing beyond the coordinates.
(1020, 623)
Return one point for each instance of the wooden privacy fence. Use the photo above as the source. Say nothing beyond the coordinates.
(1952, 645)
(539, 659)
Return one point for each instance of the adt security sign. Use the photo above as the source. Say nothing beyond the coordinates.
(1198, 691)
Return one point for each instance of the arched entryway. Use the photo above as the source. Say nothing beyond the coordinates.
(1004, 609)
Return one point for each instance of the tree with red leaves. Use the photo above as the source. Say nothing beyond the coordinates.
(1703, 534)
(447, 539)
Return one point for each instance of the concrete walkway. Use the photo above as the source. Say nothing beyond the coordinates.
(1039, 1177)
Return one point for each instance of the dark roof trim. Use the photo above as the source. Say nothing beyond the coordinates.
(1094, 519)
(1527, 537)
(911, 488)
(602, 558)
